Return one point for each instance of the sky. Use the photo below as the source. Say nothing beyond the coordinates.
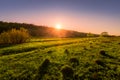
(93, 16)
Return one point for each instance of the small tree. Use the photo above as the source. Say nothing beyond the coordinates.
(14, 36)
(104, 34)
(90, 35)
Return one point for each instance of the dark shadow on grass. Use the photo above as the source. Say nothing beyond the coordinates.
(9, 52)
(7, 45)
(44, 41)
(116, 63)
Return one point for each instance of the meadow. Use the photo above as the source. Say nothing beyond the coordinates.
(61, 59)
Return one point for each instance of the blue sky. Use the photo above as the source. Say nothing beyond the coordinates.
(81, 15)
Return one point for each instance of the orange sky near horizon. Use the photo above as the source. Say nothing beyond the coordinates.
(84, 23)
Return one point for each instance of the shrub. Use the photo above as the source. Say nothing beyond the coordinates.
(102, 52)
(100, 62)
(66, 51)
(74, 61)
(42, 70)
(14, 36)
(67, 73)
(106, 55)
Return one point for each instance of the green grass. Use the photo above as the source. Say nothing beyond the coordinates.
(25, 61)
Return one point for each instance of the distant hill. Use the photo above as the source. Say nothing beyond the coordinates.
(41, 31)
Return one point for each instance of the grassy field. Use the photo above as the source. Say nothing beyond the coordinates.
(61, 59)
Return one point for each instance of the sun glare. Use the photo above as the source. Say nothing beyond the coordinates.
(58, 26)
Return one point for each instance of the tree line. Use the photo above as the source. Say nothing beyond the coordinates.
(44, 31)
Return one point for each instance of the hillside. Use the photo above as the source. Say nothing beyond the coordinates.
(58, 59)
(41, 31)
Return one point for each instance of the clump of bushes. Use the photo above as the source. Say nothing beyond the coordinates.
(100, 62)
(66, 51)
(14, 36)
(42, 69)
(67, 72)
(74, 61)
(102, 52)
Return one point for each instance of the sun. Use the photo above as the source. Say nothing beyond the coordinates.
(58, 26)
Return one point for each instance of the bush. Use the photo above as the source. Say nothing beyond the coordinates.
(42, 70)
(74, 61)
(14, 36)
(102, 52)
(67, 72)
